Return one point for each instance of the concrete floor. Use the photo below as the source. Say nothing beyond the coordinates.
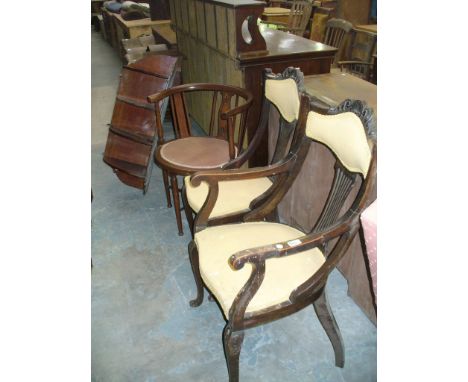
(143, 328)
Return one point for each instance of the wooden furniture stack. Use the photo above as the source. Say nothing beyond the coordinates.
(222, 43)
(132, 133)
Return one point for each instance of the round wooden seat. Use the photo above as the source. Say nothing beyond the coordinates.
(191, 154)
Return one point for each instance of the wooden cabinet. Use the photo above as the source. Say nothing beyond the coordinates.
(221, 42)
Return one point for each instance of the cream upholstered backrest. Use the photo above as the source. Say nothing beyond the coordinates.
(344, 134)
(284, 93)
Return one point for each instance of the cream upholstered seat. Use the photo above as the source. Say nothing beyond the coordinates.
(234, 196)
(282, 275)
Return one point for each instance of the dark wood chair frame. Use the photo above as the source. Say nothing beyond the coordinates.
(329, 229)
(227, 122)
(283, 144)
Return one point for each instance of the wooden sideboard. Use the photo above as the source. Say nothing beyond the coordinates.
(221, 42)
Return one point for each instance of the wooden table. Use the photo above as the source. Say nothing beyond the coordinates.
(164, 34)
(276, 15)
(317, 175)
(133, 29)
(333, 88)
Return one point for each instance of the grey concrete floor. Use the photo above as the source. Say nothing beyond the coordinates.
(143, 328)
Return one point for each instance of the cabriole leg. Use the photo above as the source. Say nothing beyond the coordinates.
(193, 254)
(232, 342)
(325, 315)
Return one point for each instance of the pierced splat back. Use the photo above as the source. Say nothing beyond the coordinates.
(349, 131)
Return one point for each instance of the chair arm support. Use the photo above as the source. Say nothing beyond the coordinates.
(239, 174)
(291, 247)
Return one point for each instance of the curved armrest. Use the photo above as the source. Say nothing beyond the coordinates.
(290, 247)
(354, 62)
(238, 174)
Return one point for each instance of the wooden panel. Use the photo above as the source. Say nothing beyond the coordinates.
(210, 25)
(231, 27)
(184, 11)
(221, 30)
(192, 17)
(201, 24)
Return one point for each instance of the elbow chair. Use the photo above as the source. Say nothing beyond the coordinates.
(186, 154)
(259, 271)
(237, 197)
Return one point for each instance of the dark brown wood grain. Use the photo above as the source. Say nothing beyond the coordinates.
(132, 132)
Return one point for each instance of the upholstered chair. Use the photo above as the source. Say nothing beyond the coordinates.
(259, 271)
(236, 197)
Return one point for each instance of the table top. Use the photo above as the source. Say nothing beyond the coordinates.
(368, 28)
(333, 88)
(166, 33)
(139, 23)
(276, 11)
(281, 44)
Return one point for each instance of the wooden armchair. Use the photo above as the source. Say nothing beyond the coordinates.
(287, 269)
(335, 32)
(187, 154)
(238, 197)
(359, 69)
(298, 18)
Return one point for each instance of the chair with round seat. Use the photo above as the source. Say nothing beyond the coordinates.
(260, 271)
(187, 154)
(236, 198)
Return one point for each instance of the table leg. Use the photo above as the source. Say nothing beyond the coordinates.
(176, 197)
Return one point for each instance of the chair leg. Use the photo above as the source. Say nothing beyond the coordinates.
(176, 197)
(193, 254)
(232, 342)
(187, 209)
(326, 318)
(166, 188)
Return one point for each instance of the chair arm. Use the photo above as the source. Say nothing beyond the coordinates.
(291, 247)
(239, 174)
(238, 109)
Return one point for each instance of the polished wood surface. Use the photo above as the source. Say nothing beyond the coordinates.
(276, 15)
(333, 88)
(317, 174)
(131, 139)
